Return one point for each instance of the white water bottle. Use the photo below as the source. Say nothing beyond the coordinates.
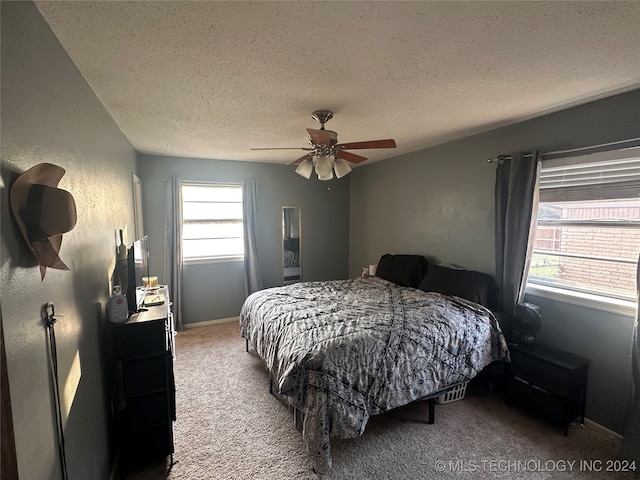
(117, 309)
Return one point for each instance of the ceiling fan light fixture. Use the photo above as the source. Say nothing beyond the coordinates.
(305, 169)
(329, 176)
(323, 166)
(341, 167)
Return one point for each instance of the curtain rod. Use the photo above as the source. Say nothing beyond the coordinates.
(632, 142)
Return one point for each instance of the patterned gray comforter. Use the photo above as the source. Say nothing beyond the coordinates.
(341, 351)
(291, 259)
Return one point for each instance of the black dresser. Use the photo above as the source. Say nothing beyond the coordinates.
(547, 382)
(144, 389)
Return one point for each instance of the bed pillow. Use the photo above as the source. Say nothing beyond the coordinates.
(475, 286)
(403, 270)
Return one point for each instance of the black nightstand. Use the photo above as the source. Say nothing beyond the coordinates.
(548, 382)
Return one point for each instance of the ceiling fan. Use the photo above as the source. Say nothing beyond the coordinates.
(326, 154)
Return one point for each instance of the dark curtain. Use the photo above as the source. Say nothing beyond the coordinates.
(173, 248)
(630, 449)
(253, 279)
(516, 207)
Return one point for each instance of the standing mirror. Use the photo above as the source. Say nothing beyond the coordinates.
(291, 239)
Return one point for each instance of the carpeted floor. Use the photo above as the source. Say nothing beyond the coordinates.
(229, 427)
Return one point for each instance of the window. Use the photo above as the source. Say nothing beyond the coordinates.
(588, 227)
(212, 222)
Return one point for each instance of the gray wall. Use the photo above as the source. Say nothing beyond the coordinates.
(439, 202)
(50, 114)
(216, 290)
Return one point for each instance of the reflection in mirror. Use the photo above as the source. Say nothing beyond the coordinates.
(291, 238)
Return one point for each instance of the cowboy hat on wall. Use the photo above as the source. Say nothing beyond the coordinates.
(43, 212)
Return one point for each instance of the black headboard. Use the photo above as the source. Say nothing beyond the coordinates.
(404, 270)
(475, 286)
(414, 271)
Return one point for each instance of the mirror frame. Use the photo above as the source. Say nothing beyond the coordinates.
(286, 281)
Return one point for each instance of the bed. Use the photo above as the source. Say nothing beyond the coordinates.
(342, 351)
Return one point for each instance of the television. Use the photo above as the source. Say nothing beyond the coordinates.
(137, 267)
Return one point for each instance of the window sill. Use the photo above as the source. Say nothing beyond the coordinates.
(206, 260)
(612, 305)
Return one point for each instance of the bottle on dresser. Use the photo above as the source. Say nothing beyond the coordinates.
(117, 309)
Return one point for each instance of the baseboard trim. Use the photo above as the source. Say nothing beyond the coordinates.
(210, 322)
(602, 429)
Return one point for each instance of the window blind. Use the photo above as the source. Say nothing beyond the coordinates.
(212, 220)
(604, 175)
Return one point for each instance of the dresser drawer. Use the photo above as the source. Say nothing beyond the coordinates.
(145, 376)
(540, 373)
(135, 340)
(139, 446)
(539, 402)
(144, 412)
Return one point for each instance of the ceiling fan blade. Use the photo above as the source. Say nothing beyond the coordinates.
(349, 157)
(301, 159)
(283, 148)
(319, 137)
(389, 143)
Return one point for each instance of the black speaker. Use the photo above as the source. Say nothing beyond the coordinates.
(527, 322)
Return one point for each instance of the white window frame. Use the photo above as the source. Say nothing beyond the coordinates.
(211, 258)
(596, 181)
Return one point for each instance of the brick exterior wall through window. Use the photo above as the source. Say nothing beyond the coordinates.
(607, 242)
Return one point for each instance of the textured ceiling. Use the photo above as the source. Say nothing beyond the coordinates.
(213, 79)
